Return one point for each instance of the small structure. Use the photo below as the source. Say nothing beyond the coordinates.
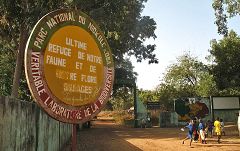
(153, 111)
(141, 113)
(226, 107)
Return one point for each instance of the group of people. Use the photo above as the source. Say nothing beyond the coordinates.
(198, 131)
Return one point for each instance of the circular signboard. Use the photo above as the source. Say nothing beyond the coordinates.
(69, 66)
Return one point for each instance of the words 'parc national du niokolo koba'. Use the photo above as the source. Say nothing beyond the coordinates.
(69, 66)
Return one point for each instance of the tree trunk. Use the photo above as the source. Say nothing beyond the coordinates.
(19, 61)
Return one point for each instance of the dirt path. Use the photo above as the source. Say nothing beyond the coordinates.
(107, 136)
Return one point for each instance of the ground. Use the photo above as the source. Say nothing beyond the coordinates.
(106, 135)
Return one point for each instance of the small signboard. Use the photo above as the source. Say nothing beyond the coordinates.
(69, 66)
(153, 105)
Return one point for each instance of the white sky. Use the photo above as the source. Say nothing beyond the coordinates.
(182, 26)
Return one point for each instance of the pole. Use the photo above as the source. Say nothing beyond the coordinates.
(212, 108)
(135, 106)
(74, 137)
(59, 135)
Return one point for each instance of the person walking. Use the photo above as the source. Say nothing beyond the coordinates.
(201, 130)
(209, 128)
(190, 132)
(195, 130)
(143, 123)
(222, 127)
(217, 126)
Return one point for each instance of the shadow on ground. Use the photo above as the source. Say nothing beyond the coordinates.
(101, 137)
(107, 136)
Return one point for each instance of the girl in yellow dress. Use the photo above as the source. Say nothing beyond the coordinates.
(217, 126)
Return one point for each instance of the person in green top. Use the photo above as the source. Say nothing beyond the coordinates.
(217, 126)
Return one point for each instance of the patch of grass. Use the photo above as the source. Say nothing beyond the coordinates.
(120, 117)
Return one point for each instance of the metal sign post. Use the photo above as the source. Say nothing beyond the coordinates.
(74, 137)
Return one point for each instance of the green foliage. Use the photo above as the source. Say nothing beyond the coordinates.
(15, 14)
(24, 92)
(186, 78)
(185, 75)
(125, 28)
(224, 10)
(148, 95)
(122, 99)
(167, 94)
(207, 85)
(124, 70)
(226, 68)
(230, 92)
(6, 70)
(226, 51)
(18, 17)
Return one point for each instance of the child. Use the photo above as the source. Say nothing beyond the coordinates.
(209, 128)
(190, 132)
(195, 130)
(143, 123)
(202, 138)
(217, 126)
(222, 127)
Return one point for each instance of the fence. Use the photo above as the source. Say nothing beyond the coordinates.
(25, 127)
(168, 119)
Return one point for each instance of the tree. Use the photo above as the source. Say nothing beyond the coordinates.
(206, 85)
(225, 71)
(125, 28)
(125, 77)
(185, 75)
(167, 94)
(6, 66)
(148, 95)
(224, 10)
(16, 20)
(122, 99)
(226, 61)
(121, 21)
(186, 78)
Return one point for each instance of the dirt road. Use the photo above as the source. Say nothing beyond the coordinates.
(107, 136)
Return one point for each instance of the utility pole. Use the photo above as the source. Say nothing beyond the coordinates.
(135, 106)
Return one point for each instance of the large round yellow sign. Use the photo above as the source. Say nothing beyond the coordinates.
(69, 66)
(77, 61)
